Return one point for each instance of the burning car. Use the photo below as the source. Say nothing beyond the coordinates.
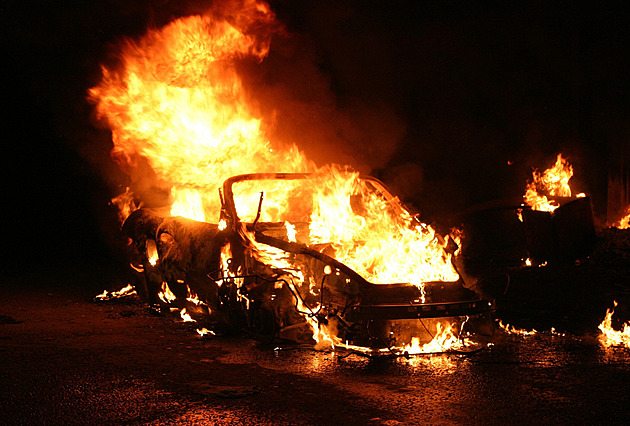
(280, 273)
(315, 253)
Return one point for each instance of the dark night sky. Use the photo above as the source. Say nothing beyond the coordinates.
(471, 88)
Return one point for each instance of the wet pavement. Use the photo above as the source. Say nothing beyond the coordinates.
(67, 360)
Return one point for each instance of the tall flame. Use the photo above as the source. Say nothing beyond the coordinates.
(177, 101)
(554, 182)
(177, 104)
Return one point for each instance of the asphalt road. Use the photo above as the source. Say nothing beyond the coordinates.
(67, 360)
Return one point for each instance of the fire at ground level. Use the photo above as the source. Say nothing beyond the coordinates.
(65, 359)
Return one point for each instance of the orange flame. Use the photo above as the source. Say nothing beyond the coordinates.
(152, 252)
(192, 297)
(166, 294)
(177, 105)
(624, 222)
(382, 244)
(510, 329)
(612, 337)
(126, 203)
(445, 340)
(185, 316)
(553, 181)
(205, 332)
(128, 290)
(178, 102)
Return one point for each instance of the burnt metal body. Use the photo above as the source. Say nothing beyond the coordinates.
(496, 242)
(244, 291)
(565, 235)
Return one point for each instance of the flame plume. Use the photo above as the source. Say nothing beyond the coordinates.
(178, 102)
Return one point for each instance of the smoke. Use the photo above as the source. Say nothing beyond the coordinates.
(299, 105)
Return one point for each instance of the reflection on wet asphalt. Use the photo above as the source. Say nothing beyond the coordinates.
(68, 361)
(552, 377)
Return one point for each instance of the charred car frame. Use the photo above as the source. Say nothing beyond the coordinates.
(230, 283)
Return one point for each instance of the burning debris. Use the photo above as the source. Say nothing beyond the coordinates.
(549, 227)
(558, 226)
(624, 222)
(612, 337)
(553, 182)
(510, 329)
(126, 291)
(205, 332)
(543, 260)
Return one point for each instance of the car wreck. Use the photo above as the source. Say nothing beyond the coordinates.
(268, 273)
